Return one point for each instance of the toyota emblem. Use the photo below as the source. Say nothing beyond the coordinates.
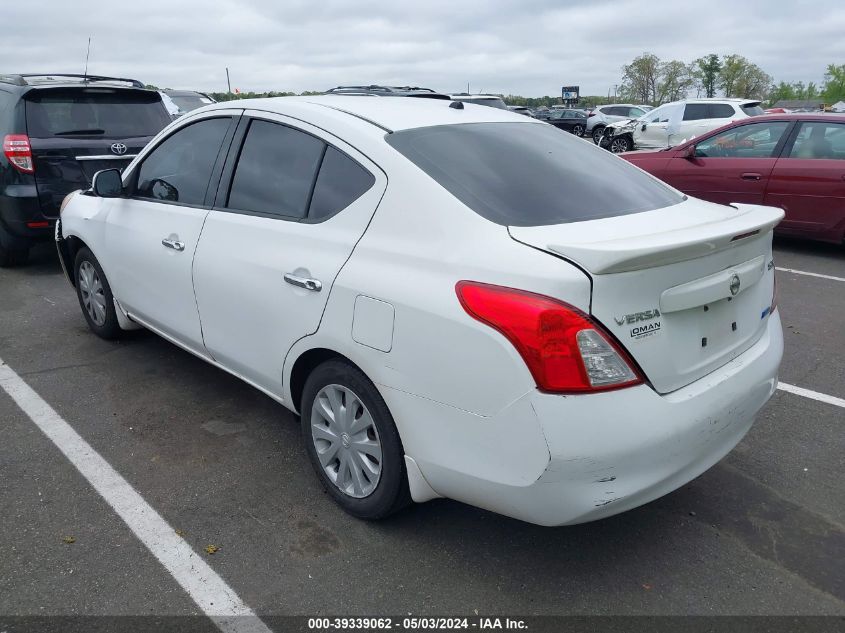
(735, 284)
(118, 148)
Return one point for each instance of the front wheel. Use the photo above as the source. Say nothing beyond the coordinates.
(94, 294)
(578, 130)
(621, 144)
(598, 132)
(352, 441)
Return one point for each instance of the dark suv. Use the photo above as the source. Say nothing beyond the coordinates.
(57, 131)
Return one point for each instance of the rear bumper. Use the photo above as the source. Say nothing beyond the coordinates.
(21, 217)
(605, 453)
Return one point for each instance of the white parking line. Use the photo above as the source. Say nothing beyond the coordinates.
(211, 593)
(815, 395)
(804, 272)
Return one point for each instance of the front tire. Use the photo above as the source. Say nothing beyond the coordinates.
(95, 297)
(352, 442)
(621, 144)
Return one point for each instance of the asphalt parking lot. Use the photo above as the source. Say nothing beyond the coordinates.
(763, 532)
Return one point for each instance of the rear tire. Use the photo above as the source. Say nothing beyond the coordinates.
(347, 427)
(95, 297)
(578, 130)
(598, 131)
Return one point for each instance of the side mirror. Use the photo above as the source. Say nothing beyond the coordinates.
(689, 152)
(107, 184)
(645, 125)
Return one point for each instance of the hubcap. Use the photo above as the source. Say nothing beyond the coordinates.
(93, 296)
(618, 146)
(347, 441)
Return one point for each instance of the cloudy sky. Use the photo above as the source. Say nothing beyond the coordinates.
(528, 47)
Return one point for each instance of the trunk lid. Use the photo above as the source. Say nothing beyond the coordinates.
(685, 289)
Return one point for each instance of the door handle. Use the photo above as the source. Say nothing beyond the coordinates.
(309, 284)
(750, 176)
(174, 244)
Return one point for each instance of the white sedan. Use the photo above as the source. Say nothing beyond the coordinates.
(449, 295)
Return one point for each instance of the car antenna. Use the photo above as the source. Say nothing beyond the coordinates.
(87, 55)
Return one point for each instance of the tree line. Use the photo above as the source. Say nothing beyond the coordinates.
(651, 80)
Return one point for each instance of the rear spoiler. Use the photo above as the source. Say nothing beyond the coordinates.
(678, 238)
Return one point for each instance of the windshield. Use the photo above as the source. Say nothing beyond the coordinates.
(530, 174)
(187, 103)
(101, 112)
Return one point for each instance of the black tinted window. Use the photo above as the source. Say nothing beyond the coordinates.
(753, 109)
(178, 170)
(721, 111)
(275, 171)
(340, 183)
(696, 112)
(530, 174)
(99, 112)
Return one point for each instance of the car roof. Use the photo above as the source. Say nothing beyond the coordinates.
(65, 80)
(390, 114)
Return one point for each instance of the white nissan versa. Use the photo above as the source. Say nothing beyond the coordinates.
(450, 296)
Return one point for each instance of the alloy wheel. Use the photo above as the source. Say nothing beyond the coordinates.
(346, 440)
(619, 145)
(93, 296)
(578, 130)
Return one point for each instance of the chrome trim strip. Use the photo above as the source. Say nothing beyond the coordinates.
(107, 157)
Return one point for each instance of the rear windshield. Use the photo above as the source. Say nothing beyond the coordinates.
(99, 112)
(493, 102)
(530, 174)
(752, 109)
(190, 102)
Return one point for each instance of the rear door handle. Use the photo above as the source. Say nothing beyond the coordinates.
(314, 285)
(176, 245)
(750, 176)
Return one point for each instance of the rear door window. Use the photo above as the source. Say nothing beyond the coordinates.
(530, 174)
(276, 171)
(97, 112)
(721, 111)
(179, 168)
(820, 140)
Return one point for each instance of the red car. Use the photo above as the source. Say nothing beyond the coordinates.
(792, 161)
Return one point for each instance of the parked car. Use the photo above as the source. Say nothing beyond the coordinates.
(795, 162)
(187, 100)
(454, 300)
(599, 117)
(492, 101)
(57, 131)
(676, 122)
(573, 121)
(388, 91)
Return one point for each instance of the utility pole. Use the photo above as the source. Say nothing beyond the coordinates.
(228, 83)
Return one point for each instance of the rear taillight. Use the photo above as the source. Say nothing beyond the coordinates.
(565, 350)
(18, 152)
